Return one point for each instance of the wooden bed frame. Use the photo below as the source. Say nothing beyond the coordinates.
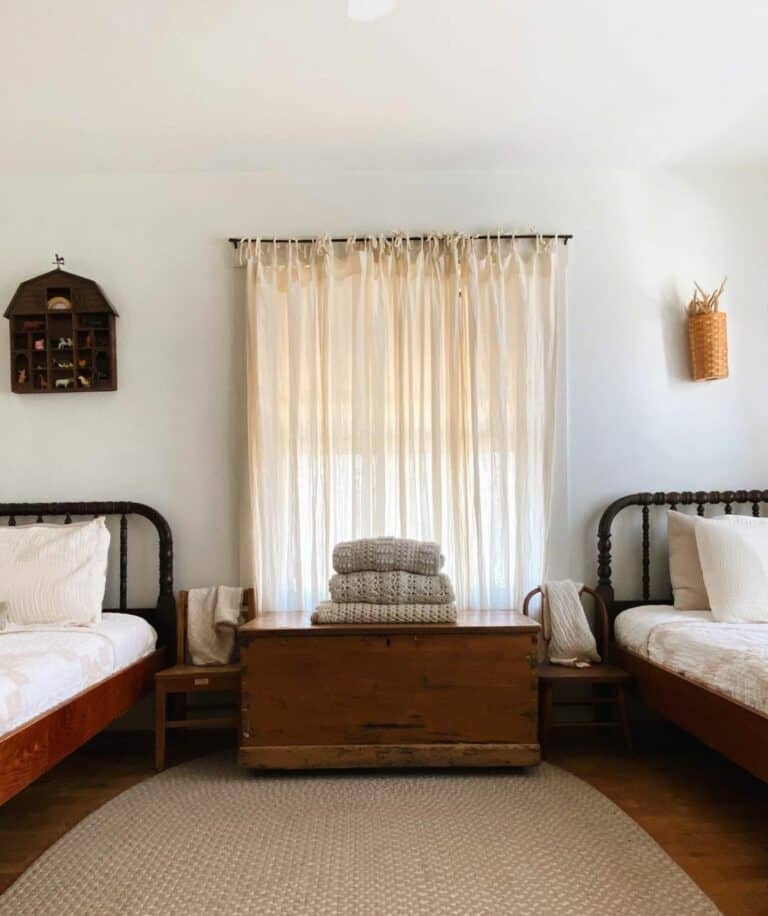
(730, 727)
(33, 748)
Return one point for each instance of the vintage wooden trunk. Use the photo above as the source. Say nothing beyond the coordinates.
(461, 694)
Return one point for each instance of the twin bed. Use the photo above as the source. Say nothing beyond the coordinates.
(708, 677)
(60, 685)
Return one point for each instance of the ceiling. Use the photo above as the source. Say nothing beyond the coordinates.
(174, 85)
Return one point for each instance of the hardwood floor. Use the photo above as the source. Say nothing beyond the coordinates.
(709, 815)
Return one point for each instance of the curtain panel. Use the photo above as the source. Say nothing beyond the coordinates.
(401, 388)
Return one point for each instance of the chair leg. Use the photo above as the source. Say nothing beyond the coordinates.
(621, 707)
(545, 711)
(160, 710)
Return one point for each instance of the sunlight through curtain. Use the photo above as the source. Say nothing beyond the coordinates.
(401, 388)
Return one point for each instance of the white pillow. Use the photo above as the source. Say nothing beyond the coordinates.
(734, 561)
(688, 588)
(54, 573)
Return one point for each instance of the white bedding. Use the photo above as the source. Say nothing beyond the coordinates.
(45, 665)
(731, 658)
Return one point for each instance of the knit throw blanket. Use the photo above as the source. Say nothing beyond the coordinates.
(332, 612)
(388, 555)
(391, 588)
(566, 631)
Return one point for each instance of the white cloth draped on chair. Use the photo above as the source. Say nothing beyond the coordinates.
(401, 388)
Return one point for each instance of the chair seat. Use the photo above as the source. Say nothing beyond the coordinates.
(196, 671)
(595, 674)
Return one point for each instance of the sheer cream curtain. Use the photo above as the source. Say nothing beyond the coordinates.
(401, 388)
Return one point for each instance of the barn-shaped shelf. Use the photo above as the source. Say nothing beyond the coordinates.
(63, 336)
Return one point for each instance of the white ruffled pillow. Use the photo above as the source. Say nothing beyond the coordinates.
(54, 573)
(734, 562)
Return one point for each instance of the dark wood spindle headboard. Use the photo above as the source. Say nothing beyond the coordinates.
(163, 616)
(700, 499)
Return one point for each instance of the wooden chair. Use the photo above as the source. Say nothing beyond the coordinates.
(183, 679)
(607, 682)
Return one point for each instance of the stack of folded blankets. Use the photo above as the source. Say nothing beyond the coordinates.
(388, 580)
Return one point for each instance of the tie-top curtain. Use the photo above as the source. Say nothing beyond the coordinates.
(402, 388)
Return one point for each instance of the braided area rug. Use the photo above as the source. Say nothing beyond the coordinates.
(210, 838)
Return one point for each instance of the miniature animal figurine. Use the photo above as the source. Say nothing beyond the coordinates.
(84, 382)
(64, 364)
(65, 343)
(82, 363)
(21, 377)
(40, 344)
(64, 382)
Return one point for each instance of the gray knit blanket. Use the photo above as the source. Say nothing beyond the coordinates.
(331, 612)
(391, 588)
(387, 555)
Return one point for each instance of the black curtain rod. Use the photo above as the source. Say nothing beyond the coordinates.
(418, 238)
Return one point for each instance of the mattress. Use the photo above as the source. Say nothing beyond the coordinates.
(729, 658)
(45, 665)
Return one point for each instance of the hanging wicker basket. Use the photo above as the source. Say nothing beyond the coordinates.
(708, 342)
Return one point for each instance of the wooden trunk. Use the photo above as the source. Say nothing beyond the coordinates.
(460, 694)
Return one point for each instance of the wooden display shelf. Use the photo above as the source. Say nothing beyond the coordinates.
(60, 306)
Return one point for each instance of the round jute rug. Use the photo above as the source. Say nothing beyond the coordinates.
(211, 838)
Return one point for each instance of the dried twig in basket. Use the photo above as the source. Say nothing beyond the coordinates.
(703, 303)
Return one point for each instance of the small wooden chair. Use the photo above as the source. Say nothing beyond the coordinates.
(183, 679)
(601, 675)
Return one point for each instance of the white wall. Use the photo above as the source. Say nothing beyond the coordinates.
(171, 435)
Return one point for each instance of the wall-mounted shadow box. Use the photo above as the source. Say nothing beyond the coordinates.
(63, 336)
